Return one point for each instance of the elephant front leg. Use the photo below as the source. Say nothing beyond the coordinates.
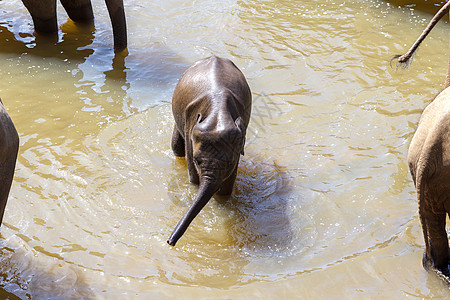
(43, 14)
(79, 10)
(178, 144)
(437, 243)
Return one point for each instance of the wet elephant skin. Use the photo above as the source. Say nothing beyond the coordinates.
(211, 106)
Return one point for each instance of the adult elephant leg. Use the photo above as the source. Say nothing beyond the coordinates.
(43, 14)
(9, 146)
(7, 167)
(119, 24)
(437, 240)
(79, 10)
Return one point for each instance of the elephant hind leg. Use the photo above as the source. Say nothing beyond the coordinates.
(437, 245)
(178, 144)
(79, 11)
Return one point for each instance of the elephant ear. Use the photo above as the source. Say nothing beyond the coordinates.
(240, 125)
(191, 117)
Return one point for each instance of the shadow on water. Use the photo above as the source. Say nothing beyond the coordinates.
(52, 277)
(27, 275)
(261, 225)
(147, 75)
(71, 52)
(72, 45)
(258, 206)
(236, 238)
(6, 295)
(73, 38)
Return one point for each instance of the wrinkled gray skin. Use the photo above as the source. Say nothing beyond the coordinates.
(43, 13)
(211, 105)
(429, 163)
(9, 146)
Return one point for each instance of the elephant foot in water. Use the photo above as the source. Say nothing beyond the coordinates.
(443, 272)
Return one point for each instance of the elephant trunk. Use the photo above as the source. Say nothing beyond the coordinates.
(206, 191)
(119, 24)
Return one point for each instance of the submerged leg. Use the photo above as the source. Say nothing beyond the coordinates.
(119, 23)
(437, 243)
(43, 14)
(79, 10)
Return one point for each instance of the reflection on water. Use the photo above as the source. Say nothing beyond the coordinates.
(72, 38)
(323, 204)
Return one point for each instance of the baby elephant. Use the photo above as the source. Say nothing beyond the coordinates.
(211, 105)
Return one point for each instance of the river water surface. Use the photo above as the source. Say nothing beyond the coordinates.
(323, 205)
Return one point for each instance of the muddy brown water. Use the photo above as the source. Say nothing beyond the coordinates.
(323, 205)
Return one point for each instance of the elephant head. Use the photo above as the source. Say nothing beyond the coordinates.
(216, 149)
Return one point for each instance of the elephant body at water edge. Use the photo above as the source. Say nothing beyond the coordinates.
(211, 105)
(429, 163)
(43, 13)
(9, 146)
